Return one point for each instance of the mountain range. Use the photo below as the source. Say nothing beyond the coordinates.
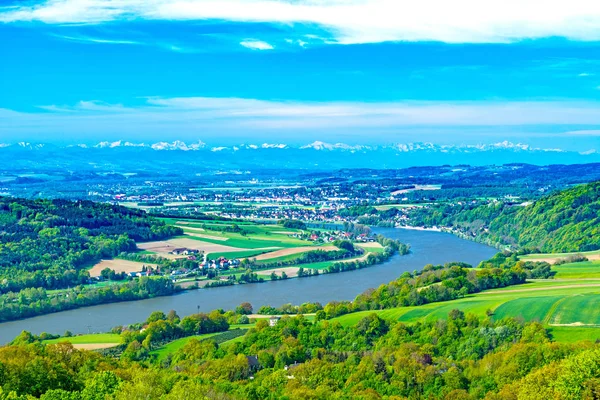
(316, 155)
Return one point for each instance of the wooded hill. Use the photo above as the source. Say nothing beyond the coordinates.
(49, 243)
(566, 221)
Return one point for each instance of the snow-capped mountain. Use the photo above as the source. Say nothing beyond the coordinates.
(316, 155)
(318, 145)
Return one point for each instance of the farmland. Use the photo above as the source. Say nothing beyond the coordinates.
(118, 265)
(566, 306)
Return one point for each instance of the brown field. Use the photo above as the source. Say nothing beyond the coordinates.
(163, 248)
(94, 346)
(118, 266)
(294, 250)
(291, 272)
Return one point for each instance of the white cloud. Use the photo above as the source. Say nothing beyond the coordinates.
(216, 113)
(87, 39)
(256, 44)
(588, 132)
(350, 21)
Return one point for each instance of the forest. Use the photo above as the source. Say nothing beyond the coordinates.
(460, 357)
(565, 221)
(46, 247)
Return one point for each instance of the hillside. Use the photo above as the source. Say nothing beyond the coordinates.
(566, 221)
(49, 244)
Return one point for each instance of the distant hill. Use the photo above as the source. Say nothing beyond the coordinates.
(565, 221)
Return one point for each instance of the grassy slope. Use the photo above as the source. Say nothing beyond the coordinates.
(88, 339)
(175, 345)
(556, 303)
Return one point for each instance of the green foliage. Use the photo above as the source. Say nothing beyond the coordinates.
(48, 245)
(292, 224)
(566, 221)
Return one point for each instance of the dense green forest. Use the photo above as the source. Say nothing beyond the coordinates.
(49, 243)
(566, 221)
(461, 357)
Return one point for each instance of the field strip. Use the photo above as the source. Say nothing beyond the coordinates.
(204, 236)
(94, 346)
(191, 228)
(370, 245)
(118, 266)
(167, 246)
(552, 310)
(290, 251)
(551, 260)
(361, 258)
(540, 289)
(291, 272)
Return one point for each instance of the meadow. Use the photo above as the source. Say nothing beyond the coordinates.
(566, 305)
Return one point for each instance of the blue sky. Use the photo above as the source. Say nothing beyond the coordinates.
(368, 71)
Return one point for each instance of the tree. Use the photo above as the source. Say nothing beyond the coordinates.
(244, 308)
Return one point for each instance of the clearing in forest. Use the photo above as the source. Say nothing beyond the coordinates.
(118, 266)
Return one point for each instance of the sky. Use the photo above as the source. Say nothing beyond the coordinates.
(353, 71)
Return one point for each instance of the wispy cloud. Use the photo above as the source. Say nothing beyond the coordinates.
(87, 39)
(236, 113)
(256, 44)
(349, 21)
(587, 132)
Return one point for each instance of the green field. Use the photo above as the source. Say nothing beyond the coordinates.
(175, 345)
(88, 339)
(567, 307)
(586, 269)
(558, 255)
(235, 332)
(235, 254)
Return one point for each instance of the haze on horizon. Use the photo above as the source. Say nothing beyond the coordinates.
(352, 71)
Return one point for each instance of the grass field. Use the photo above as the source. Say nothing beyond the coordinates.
(236, 254)
(580, 270)
(568, 307)
(175, 345)
(94, 341)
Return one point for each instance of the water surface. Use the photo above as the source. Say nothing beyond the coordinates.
(426, 248)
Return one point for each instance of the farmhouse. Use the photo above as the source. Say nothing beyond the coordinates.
(184, 251)
(273, 320)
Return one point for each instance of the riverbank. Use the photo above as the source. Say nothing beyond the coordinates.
(420, 228)
(426, 248)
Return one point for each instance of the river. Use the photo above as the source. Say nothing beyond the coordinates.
(426, 248)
